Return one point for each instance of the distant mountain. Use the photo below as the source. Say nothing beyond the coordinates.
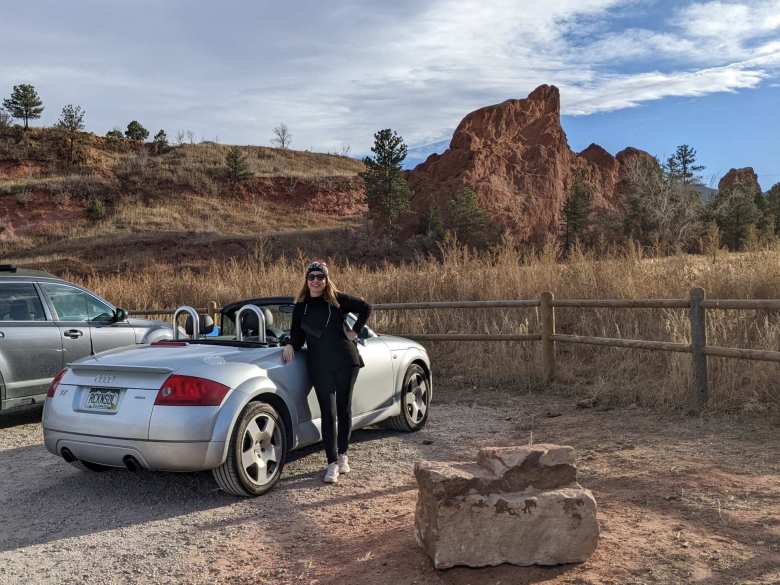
(707, 193)
(417, 154)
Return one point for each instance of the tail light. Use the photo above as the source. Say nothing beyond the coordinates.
(54, 383)
(190, 391)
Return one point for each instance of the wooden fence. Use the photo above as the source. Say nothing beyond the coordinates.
(696, 305)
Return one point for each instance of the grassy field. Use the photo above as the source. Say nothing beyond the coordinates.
(609, 375)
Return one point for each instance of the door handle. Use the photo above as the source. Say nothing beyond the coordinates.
(2, 334)
(73, 333)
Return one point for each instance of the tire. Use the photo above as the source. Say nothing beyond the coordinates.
(255, 455)
(89, 466)
(415, 402)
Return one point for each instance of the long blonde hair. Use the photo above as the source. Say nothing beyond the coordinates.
(329, 293)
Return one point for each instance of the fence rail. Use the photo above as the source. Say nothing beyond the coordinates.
(697, 304)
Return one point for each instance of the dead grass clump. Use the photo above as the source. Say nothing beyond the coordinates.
(607, 375)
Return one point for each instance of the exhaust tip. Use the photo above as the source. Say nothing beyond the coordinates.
(67, 455)
(131, 463)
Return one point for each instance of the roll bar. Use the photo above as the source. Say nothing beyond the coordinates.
(195, 321)
(260, 322)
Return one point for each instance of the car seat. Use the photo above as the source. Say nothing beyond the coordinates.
(250, 326)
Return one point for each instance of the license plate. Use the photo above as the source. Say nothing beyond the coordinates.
(103, 399)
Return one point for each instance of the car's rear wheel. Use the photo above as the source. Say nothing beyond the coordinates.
(256, 453)
(415, 401)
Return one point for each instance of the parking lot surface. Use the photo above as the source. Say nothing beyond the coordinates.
(681, 500)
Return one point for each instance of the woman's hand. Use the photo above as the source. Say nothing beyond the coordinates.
(351, 335)
(288, 353)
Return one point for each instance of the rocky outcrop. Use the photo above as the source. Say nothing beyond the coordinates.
(519, 505)
(516, 157)
(746, 178)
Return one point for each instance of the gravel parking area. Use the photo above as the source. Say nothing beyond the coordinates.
(682, 500)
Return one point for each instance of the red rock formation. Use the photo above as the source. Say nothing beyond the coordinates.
(745, 177)
(516, 157)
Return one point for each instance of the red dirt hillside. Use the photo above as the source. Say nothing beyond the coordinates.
(516, 157)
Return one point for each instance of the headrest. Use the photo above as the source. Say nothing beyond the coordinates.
(205, 325)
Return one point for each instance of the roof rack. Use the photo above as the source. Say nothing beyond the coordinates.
(7, 267)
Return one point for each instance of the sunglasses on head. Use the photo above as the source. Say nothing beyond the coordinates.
(315, 277)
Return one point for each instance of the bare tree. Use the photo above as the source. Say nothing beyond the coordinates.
(191, 136)
(282, 136)
(657, 210)
(180, 137)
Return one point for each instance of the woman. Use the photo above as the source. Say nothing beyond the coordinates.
(333, 359)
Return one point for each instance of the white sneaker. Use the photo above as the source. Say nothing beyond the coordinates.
(343, 464)
(331, 473)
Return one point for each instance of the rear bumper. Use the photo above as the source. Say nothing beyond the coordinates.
(152, 455)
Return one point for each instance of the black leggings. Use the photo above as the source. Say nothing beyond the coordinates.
(334, 394)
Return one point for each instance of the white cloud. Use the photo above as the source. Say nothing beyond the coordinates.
(336, 73)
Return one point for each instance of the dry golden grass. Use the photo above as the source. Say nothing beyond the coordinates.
(267, 162)
(612, 375)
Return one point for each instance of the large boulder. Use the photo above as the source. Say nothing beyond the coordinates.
(516, 157)
(519, 505)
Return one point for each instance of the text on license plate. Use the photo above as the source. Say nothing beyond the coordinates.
(103, 399)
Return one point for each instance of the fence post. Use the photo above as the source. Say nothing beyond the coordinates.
(212, 310)
(548, 330)
(698, 343)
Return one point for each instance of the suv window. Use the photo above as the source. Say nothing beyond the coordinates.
(73, 304)
(20, 302)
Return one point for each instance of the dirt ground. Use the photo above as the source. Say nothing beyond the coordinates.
(681, 500)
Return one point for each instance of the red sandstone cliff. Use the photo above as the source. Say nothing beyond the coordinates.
(516, 157)
(745, 177)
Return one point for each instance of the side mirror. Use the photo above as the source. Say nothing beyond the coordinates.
(120, 315)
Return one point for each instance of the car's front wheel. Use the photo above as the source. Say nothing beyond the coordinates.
(256, 453)
(415, 401)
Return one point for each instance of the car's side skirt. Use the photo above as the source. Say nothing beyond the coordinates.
(310, 431)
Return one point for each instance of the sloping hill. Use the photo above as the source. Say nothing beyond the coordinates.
(124, 203)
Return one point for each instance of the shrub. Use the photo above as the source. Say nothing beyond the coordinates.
(96, 209)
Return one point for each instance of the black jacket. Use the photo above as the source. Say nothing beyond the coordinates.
(321, 326)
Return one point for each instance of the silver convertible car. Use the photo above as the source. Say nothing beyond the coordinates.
(226, 403)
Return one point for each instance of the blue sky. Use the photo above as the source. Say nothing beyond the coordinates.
(650, 74)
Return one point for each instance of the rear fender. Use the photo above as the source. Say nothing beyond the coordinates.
(237, 402)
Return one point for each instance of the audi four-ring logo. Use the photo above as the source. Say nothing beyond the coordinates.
(104, 379)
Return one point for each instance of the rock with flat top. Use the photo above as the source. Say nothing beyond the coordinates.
(519, 505)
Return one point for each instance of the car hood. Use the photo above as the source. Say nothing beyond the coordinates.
(228, 365)
(395, 342)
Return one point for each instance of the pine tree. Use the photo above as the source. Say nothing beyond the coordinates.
(71, 122)
(160, 142)
(468, 220)
(24, 103)
(387, 193)
(237, 167)
(431, 225)
(682, 167)
(136, 132)
(735, 209)
(576, 211)
(5, 119)
(773, 205)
